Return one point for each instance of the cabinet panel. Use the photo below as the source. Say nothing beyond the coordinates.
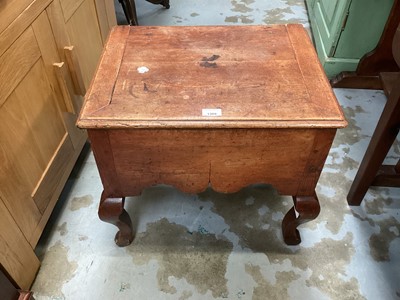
(69, 7)
(97, 17)
(51, 178)
(39, 107)
(88, 42)
(21, 166)
(21, 147)
(106, 16)
(310, 4)
(345, 30)
(16, 255)
(20, 23)
(364, 27)
(10, 10)
(111, 16)
(34, 135)
(328, 8)
(330, 16)
(23, 53)
(48, 49)
(23, 161)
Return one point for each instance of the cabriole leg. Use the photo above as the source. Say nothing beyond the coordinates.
(307, 208)
(111, 210)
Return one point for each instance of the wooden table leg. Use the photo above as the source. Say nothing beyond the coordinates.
(383, 138)
(164, 3)
(307, 208)
(111, 210)
(131, 9)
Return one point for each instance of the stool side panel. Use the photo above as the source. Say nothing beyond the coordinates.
(228, 160)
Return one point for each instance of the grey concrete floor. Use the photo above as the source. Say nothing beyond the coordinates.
(221, 12)
(215, 246)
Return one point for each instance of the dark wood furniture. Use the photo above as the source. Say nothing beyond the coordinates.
(225, 106)
(9, 292)
(129, 8)
(377, 61)
(371, 171)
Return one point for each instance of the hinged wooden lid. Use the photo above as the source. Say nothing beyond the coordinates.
(210, 76)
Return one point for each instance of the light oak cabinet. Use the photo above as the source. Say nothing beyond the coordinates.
(48, 54)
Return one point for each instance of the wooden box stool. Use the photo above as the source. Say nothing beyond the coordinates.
(225, 106)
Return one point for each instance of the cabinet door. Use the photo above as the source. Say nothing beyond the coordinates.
(16, 254)
(330, 16)
(32, 137)
(32, 129)
(76, 23)
(88, 42)
(106, 17)
(35, 141)
(364, 27)
(310, 4)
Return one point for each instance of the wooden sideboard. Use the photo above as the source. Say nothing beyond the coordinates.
(46, 63)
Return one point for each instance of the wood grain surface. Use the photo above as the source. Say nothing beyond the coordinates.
(226, 159)
(259, 76)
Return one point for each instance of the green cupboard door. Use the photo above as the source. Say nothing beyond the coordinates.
(364, 27)
(330, 15)
(310, 4)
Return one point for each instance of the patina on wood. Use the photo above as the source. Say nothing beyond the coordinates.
(214, 105)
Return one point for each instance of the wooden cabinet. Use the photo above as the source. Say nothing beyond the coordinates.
(328, 14)
(16, 254)
(46, 63)
(345, 30)
(68, 18)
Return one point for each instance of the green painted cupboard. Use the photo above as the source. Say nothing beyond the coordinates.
(345, 30)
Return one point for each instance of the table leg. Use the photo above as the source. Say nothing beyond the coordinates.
(307, 208)
(111, 210)
(164, 3)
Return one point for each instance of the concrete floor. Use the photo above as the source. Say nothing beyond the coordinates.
(215, 246)
(221, 12)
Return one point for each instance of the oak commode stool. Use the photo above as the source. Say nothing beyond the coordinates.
(225, 106)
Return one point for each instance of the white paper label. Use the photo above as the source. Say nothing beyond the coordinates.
(211, 112)
(142, 70)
